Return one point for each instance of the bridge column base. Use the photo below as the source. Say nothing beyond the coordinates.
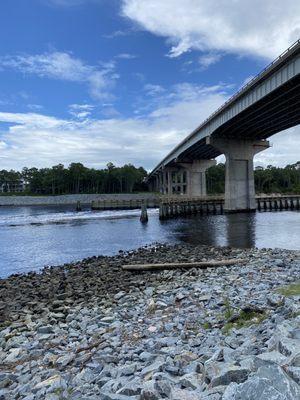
(239, 174)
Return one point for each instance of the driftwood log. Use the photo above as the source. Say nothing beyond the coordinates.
(200, 264)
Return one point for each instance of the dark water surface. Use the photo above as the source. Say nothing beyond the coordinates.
(32, 237)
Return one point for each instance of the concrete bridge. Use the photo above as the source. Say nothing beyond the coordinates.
(239, 129)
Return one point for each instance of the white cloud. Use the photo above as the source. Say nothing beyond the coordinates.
(153, 90)
(116, 34)
(39, 140)
(255, 27)
(63, 66)
(81, 111)
(284, 149)
(126, 56)
(206, 60)
(81, 107)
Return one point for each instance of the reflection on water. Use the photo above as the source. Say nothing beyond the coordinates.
(32, 237)
(241, 230)
(236, 230)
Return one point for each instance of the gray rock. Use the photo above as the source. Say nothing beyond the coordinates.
(146, 356)
(127, 370)
(270, 383)
(65, 360)
(294, 373)
(51, 384)
(119, 295)
(288, 346)
(131, 389)
(6, 379)
(190, 381)
(163, 388)
(230, 374)
(149, 394)
(275, 300)
(14, 355)
(114, 396)
(269, 357)
(294, 361)
(46, 329)
(156, 366)
(181, 394)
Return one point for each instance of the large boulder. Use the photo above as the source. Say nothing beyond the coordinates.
(270, 382)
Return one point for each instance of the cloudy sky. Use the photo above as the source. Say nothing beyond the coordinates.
(94, 81)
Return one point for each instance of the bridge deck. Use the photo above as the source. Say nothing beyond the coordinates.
(269, 103)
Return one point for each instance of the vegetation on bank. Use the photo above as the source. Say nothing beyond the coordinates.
(241, 318)
(79, 179)
(291, 290)
(267, 180)
(127, 179)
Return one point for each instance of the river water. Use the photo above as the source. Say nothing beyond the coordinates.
(32, 237)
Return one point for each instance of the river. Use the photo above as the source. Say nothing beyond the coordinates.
(33, 237)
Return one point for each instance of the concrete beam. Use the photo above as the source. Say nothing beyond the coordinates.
(239, 175)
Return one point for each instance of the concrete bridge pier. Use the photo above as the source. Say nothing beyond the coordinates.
(183, 179)
(197, 177)
(239, 175)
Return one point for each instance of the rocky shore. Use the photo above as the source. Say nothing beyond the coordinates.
(90, 330)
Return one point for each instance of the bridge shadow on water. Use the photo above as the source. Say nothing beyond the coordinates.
(271, 229)
(235, 230)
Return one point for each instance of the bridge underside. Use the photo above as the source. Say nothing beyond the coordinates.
(239, 139)
(274, 113)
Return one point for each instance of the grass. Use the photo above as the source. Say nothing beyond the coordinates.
(291, 290)
(228, 309)
(243, 319)
(206, 325)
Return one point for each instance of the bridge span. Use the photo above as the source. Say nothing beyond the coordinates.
(239, 129)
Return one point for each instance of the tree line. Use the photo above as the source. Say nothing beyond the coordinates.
(127, 179)
(79, 179)
(267, 180)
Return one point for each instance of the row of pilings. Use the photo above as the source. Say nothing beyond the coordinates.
(170, 208)
(278, 203)
(120, 204)
(180, 206)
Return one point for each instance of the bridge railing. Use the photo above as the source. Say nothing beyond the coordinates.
(249, 83)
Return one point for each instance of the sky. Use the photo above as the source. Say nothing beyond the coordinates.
(123, 81)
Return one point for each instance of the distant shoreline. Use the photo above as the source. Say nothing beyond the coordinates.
(69, 199)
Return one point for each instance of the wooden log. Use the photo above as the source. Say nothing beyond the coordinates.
(200, 264)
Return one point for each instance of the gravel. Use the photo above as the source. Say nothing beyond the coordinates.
(90, 330)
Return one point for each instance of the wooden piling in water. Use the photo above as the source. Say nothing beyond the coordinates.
(78, 206)
(144, 214)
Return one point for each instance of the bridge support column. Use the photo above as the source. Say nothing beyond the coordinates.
(239, 178)
(197, 177)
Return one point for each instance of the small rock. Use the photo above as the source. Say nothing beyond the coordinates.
(47, 329)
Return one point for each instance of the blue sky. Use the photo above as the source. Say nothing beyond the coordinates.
(123, 81)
